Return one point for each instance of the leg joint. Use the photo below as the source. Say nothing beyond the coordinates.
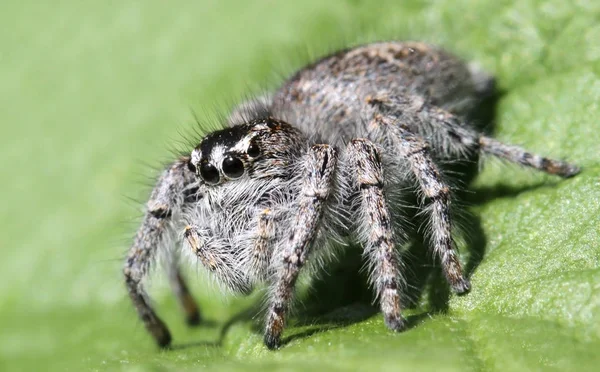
(441, 195)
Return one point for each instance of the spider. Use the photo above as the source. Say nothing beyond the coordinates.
(325, 159)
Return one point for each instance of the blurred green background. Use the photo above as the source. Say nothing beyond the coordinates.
(93, 94)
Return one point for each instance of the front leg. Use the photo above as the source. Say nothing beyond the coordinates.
(319, 167)
(166, 200)
(258, 257)
(218, 256)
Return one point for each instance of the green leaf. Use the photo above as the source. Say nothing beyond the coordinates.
(92, 91)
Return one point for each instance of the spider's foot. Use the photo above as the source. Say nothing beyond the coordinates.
(461, 287)
(569, 170)
(192, 313)
(272, 341)
(274, 329)
(161, 335)
(395, 322)
(193, 319)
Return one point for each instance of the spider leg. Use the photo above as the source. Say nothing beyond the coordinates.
(375, 229)
(319, 167)
(217, 256)
(516, 154)
(416, 152)
(259, 256)
(454, 138)
(164, 201)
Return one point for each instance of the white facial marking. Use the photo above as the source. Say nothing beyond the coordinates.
(243, 144)
(216, 157)
(196, 157)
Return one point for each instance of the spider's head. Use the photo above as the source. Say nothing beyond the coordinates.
(262, 148)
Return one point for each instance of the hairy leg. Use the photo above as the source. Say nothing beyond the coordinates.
(319, 167)
(259, 256)
(375, 229)
(452, 137)
(516, 154)
(165, 200)
(218, 257)
(434, 191)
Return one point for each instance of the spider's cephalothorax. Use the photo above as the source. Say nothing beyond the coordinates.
(252, 201)
(249, 174)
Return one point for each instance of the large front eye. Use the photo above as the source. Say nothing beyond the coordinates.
(233, 167)
(209, 173)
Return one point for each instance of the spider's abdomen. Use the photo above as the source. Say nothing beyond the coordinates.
(331, 95)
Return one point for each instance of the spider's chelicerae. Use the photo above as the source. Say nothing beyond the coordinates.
(326, 158)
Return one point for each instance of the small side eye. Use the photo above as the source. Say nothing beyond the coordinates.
(253, 150)
(233, 167)
(209, 173)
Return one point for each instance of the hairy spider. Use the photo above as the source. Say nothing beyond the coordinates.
(326, 158)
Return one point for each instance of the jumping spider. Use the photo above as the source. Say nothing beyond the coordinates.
(326, 158)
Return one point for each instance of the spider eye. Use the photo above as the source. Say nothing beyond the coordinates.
(209, 173)
(253, 150)
(233, 167)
